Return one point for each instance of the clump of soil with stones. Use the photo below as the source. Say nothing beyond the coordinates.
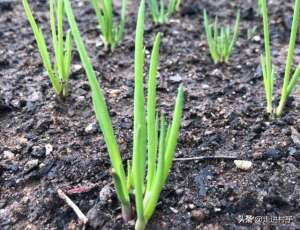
(46, 144)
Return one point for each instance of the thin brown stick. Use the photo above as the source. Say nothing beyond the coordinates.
(82, 218)
(206, 158)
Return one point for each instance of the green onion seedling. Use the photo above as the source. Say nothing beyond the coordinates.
(221, 40)
(59, 71)
(160, 12)
(111, 33)
(290, 80)
(154, 142)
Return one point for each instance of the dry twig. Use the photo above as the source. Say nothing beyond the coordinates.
(82, 218)
(206, 158)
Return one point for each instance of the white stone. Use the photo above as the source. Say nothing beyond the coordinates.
(8, 155)
(49, 149)
(244, 165)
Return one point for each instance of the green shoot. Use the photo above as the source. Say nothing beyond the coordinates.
(221, 40)
(161, 13)
(160, 155)
(103, 117)
(111, 33)
(59, 71)
(251, 32)
(289, 81)
(266, 62)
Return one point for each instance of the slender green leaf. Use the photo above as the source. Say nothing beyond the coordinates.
(289, 61)
(41, 43)
(153, 194)
(100, 109)
(138, 161)
(235, 33)
(154, 10)
(174, 131)
(210, 40)
(139, 138)
(168, 142)
(67, 56)
(178, 5)
(53, 30)
(120, 32)
(60, 37)
(294, 80)
(151, 106)
(266, 63)
(171, 7)
(129, 175)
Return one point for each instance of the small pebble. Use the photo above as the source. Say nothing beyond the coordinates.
(105, 194)
(231, 198)
(38, 152)
(115, 93)
(244, 165)
(256, 38)
(198, 215)
(295, 136)
(191, 206)
(76, 68)
(216, 72)
(31, 164)
(49, 149)
(93, 216)
(8, 155)
(176, 78)
(205, 86)
(91, 128)
(217, 209)
(179, 191)
(174, 210)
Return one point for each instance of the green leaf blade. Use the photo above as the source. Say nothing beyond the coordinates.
(41, 43)
(139, 138)
(151, 111)
(100, 107)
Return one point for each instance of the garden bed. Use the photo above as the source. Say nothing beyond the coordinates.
(46, 143)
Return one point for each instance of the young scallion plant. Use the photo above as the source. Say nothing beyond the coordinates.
(59, 70)
(290, 79)
(221, 40)
(154, 142)
(160, 12)
(111, 33)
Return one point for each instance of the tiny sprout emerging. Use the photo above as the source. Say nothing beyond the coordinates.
(59, 71)
(111, 33)
(161, 13)
(221, 40)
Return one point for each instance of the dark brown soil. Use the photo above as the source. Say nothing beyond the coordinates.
(46, 144)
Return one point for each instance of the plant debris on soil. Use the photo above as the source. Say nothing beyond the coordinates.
(47, 144)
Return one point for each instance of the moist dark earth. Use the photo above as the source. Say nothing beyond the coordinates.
(48, 144)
